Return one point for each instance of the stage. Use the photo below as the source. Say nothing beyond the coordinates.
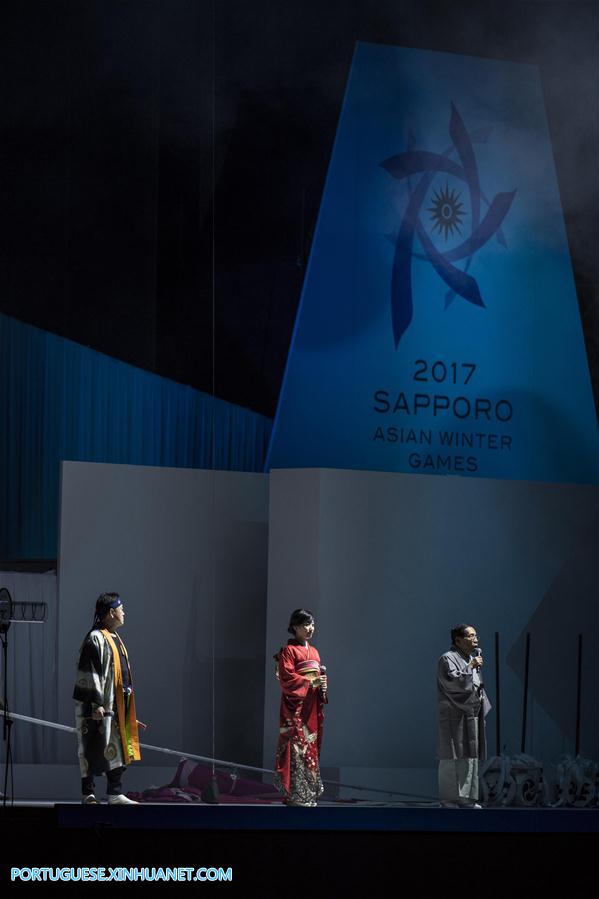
(331, 817)
(332, 846)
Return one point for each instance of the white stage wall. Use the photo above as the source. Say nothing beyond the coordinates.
(388, 562)
(169, 540)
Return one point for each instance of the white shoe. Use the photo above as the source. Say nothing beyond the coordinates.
(469, 805)
(121, 799)
(90, 799)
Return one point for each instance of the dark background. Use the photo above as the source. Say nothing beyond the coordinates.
(162, 163)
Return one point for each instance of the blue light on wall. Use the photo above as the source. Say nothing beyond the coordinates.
(439, 330)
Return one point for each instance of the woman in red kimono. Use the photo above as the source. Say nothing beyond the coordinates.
(304, 692)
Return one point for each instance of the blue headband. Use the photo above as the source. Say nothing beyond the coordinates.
(103, 609)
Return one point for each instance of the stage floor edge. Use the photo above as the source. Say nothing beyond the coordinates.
(327, 818)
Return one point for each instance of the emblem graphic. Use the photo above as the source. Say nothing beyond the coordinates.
(447, 215)
(446, 212)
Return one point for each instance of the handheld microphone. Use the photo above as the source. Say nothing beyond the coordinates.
(479, 654)
(323, 672)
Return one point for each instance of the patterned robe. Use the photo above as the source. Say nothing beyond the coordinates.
(113, 741)
(300, 728)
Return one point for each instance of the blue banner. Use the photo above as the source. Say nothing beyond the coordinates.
(438, 330)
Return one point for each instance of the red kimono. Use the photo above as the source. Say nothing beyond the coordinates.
(300, 728)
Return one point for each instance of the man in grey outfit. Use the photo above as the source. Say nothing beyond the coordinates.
(461, 709)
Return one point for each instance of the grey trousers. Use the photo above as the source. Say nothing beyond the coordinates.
(458, 780)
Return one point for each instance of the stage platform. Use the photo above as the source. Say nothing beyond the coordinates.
(516, 852)
(334, 817)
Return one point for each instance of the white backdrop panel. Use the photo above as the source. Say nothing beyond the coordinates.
(186, 549)
(388, 562)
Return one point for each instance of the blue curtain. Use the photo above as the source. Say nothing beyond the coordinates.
(60, 400)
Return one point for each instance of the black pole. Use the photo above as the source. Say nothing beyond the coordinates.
(497, 698)
(525, 697)
(578, 696)
(4, 639)
(5, 619)
(7, 719)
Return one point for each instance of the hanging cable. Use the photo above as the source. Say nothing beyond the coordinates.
(211, 794)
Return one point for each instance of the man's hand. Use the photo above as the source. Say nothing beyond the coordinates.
(98, 713)
(476, 662)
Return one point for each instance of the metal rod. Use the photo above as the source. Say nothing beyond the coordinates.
(181, 755)
(203, 758)
(497, 698)
(52, 724)
(525, 696)
(578, 696)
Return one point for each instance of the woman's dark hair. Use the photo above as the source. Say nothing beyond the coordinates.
(298, 618)
(459, 631)
(104, 602)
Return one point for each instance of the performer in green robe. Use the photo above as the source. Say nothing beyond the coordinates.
(105, 715)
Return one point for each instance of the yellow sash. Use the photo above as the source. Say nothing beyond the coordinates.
(126, 717)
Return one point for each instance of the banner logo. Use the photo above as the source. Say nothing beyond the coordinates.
(447, 215)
